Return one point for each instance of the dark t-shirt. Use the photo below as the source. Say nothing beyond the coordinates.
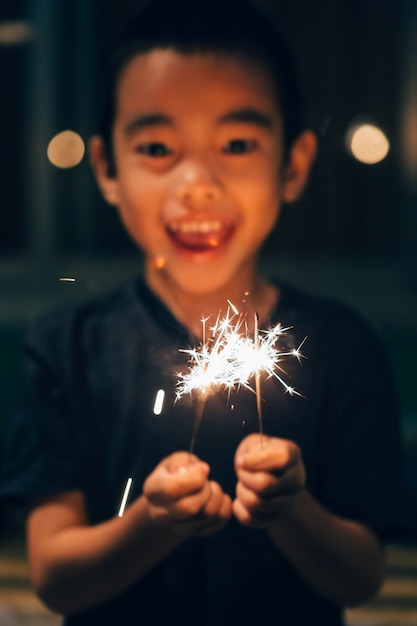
(85, 421)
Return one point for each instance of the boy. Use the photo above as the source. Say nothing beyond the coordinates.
(202, 140)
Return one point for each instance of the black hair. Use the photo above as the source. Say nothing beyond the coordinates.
(231, 27)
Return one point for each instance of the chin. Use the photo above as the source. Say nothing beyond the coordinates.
(201, 285)
(204, 275)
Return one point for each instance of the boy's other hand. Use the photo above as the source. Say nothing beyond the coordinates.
(270, 475)
(181, 497)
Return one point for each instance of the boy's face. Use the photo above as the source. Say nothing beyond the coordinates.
(199, 166)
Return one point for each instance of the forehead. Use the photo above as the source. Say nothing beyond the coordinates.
(182, 81)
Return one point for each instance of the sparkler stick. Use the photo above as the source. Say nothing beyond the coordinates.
(208, 371)
(199, 410)
(258, 378)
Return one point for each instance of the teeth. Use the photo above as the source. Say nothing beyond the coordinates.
(196, 227)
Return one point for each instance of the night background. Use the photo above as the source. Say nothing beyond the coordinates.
(353, 236)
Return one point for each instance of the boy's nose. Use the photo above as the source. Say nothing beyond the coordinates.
(197, 187)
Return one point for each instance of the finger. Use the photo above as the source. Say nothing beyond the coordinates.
(183, 461)
(261, 506)
(256, 518)
(248, 498)
(259, 482)
(219, 504)
(266, 484)
(276, 455)
(191, 506)
(163, 486)
(205, 524)
(183, 509)
(214, 503)
(241, 513)
(255, 440)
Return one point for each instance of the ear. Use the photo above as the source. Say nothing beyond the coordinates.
(108, 183)
(297, 170)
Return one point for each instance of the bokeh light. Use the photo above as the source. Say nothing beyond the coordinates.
(66, 149)
(15, 32)
(367, 143)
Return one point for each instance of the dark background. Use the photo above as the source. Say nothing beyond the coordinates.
(353, 236)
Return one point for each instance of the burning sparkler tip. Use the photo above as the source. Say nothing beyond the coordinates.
(231, 358)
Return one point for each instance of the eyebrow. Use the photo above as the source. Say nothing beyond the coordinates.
(248, 116)
(145, 121)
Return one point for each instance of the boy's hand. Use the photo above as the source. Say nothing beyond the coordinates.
(270, 474)
(181, 497)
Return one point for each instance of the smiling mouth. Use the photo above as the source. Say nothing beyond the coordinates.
(199, 235)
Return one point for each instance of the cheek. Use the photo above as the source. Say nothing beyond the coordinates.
(263, 198)
(138, 198)
(132, 223)
(265, 212)
(272, 194)
(136, 217)
(265, 180)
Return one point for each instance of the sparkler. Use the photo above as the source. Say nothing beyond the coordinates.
(212, 367)
(231, 359)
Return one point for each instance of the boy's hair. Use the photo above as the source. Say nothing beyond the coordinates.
(229, 27)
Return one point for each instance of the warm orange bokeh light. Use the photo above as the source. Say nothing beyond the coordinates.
(66, 149)
(367, 143)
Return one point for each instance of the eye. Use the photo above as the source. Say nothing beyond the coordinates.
(239, 146)
(155, 150)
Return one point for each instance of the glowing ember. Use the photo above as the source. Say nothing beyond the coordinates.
(159, 402)
(125, 496)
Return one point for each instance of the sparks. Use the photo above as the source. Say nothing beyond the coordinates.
(231, 359)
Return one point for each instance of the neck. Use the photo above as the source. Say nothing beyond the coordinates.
(253, 294)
